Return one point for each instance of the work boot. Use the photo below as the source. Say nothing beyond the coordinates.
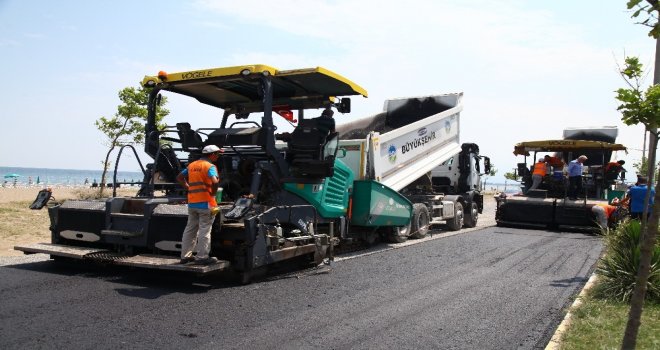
(186, 260)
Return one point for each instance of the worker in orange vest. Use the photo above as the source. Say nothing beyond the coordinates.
(201, 180)
(538, 173)
(555, 162)
(603, 213)
(613, 169)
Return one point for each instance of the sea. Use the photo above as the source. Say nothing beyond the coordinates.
(43, 177)
(22, 177)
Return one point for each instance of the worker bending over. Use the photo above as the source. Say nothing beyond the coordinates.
(538, 173)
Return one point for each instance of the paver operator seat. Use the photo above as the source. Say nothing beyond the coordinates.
(306, 149)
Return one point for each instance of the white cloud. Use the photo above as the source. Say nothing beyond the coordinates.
(9, 43)
(35, 35)
(526, 73)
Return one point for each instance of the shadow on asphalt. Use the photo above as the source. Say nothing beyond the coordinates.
(568, 282)
(142, 283)
(550, 233)
(151, 283)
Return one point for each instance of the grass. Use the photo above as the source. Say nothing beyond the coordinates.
(21, 225)
(16, 219)
(599, 324)
(8, 210)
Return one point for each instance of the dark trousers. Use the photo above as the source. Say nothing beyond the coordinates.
(574, 186)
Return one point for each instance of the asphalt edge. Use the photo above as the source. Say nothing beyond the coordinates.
(555, 341)
(392, 246)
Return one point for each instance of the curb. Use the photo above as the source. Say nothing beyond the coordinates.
(555, 341)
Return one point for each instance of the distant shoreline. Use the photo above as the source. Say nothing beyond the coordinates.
(18, 176)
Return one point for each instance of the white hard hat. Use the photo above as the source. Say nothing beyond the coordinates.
(211, 149)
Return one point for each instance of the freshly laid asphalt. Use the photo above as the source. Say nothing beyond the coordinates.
(491, 288)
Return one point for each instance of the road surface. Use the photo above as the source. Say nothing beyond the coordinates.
(490, 288)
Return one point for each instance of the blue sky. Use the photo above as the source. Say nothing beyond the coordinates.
(528, 69)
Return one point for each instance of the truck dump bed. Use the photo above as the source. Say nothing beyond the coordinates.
(407, 140)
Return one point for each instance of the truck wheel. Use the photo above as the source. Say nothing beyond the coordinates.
(398, 234)
(244, 277)
(472, 216)
(456, 223)
(370, 238)
(419, 224)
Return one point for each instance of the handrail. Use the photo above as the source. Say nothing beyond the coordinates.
(114, 175)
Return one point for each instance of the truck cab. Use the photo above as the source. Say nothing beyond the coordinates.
(462, 172)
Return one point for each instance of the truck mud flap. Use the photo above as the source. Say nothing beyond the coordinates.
(160, 262)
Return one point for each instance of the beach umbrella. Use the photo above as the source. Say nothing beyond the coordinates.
(38, 180)
(12, 176)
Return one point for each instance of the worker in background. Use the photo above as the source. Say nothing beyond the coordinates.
(613, 169)
(557, 166)
(603, 213)
(538, 173)
(636, 195)
(575, 177)
(325, 123)
(555, 162)
(201, 180)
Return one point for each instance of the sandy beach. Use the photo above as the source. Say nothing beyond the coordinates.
(28, 194)
(20, 225)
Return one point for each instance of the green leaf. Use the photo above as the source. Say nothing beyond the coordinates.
(632, 3)
(126, 126)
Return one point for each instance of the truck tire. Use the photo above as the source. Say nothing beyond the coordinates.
(419, 224)
(456, 223)
(472, 215)
(398, 234)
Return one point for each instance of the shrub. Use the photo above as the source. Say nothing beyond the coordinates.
(617, 270)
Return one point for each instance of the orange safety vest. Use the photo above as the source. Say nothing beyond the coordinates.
(612, 165)
(609, 209)
(199, 184)
(539, 169)
(555, 162)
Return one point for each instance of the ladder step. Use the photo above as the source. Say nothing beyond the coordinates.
(121, 233)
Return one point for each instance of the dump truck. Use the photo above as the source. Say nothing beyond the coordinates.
(549, 206)
(413, 148)
(286, 195)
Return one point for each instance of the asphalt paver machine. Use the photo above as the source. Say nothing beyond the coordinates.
(549, 206)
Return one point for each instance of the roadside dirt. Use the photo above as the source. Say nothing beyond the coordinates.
(21, 225)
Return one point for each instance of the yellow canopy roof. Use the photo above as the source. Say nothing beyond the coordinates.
(523, 148)
(234, 89)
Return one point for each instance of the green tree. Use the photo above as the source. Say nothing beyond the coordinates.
(493, 170)
(490, 173)
(648, 10)
(126, 126)
(642, 167)
(642, 107)
(511, 176)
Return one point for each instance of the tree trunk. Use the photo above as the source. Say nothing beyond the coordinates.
(649, 233)
(106, 165)
(648, 238)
